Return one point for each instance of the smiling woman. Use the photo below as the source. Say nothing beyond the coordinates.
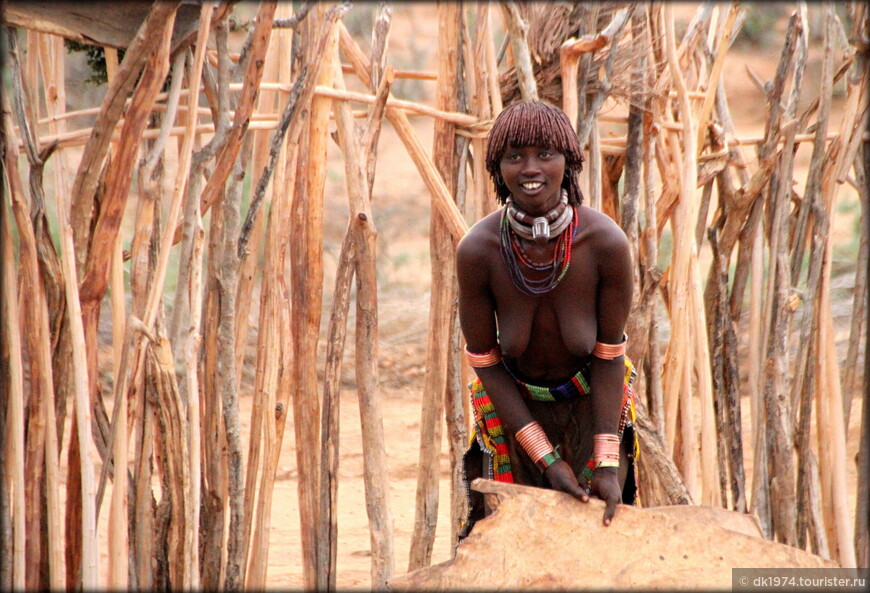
(552, 398)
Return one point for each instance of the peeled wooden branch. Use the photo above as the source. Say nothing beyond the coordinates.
(517, 29)
(440, 195)
(14, 442)
(241, 121)
(110, 111)
(569, 58)
(375, 458)
(441, 253)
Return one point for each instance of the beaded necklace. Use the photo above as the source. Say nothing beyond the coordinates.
(515, 257)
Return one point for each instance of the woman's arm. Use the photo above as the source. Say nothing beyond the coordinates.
(615, 285)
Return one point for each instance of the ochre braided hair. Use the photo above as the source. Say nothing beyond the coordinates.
(535, 123)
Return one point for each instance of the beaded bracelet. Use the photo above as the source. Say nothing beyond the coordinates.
(605, 450)
(610, 351)
(486, 359)
(535, 443)
(547, 460)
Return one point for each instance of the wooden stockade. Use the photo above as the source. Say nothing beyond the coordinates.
(750, 247)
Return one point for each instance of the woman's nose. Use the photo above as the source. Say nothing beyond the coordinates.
(531, 164)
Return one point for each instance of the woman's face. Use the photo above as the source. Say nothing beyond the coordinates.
(533, 175)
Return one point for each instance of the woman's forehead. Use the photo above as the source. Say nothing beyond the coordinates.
(531, 146)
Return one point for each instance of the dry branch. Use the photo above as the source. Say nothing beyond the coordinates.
(95, 151)
(441, 253)
(441, 199)
(366, 348)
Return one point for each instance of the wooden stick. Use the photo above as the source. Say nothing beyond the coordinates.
(517, 29)
(678, 381)
(862, 506)
(266, 431)
(251, 85)
(837, 433)
(329, 435)
(34, 321)
(111, 108)
(715, 71)
(366, 349)
(14, 429)
(118, 524)
(51, 54)
(89, 568)
(305, 401)
(440, 195)
(492, 70)
(263, 402)
(441, 253)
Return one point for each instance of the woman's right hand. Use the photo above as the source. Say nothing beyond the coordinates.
(562, 478)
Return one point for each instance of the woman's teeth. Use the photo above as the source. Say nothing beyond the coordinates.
(532, 185)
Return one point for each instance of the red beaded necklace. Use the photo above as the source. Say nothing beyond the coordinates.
(516, 258)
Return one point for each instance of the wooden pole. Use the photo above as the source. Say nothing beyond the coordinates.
(441, 198)
(14, 429)
(118, 537)
(307, 271)
(34, 320)
(274, 364)
(518, 29)
(366, 349)
(677, 379)
(441, 253)
(51, 54)
(264, 399)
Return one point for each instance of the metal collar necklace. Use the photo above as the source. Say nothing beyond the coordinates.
(540, 228)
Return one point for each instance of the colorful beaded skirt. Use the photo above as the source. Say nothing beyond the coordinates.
(489, 433)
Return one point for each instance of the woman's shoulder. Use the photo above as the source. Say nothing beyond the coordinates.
(601, 229)
(480, 238)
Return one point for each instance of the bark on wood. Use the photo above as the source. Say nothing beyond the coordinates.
(441, 252)
(174, 438)
(307, 269)
(799, 235)
(329, 436)
(366, 349)
(95, 151)
(251, 84)
(34, 327)
(517, 29)
(14, 426)
(862, 506)
(441, 198)
(273, 360)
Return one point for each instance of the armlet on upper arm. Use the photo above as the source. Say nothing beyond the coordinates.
(610, 351)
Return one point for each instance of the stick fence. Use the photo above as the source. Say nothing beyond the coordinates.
(734, 254)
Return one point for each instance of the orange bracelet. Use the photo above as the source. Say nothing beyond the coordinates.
(610, 351)
(605, 450)
(534, 441)
(487, 359)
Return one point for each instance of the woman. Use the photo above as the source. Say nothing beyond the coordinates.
(545, 287)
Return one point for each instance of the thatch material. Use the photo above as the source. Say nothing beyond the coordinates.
(550, 24)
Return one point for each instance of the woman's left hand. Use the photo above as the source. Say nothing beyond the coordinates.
(605, 485)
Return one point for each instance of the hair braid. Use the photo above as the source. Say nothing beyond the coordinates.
(535, 123)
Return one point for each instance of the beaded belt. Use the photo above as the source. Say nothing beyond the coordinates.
(490, 433)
